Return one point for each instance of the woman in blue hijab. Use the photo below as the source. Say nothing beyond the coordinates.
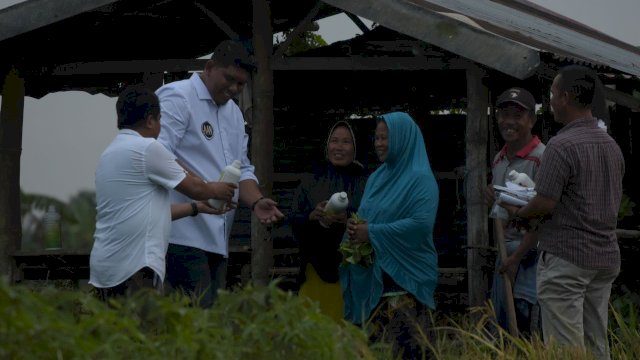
(398, 208)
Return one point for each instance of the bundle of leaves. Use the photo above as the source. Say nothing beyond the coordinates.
(356, 253)
(247, 323)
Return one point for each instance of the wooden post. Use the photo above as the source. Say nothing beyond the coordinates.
(475, 183)
(262, 137)
(11, 116)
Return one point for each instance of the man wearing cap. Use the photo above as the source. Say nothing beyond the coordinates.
(522, 152)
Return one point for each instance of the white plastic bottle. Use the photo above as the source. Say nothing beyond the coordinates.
(337, 203)
(230, 174)
(521, 179)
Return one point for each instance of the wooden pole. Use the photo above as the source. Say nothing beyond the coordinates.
(262, 137)
(475, 183)
(11, 117)
(508, 286)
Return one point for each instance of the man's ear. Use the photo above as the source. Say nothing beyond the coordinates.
(148, 121)
(210, 64)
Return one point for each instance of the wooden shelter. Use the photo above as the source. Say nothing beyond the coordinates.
(425, 57)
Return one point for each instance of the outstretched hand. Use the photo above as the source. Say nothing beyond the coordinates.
(267, 212)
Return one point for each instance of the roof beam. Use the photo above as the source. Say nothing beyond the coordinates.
(290, 63)
(622, 98)
(359, 23)
(34, 14)
(415, 19)
(218, 21)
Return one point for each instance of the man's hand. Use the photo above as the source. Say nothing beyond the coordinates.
(511, 209)
(204, 208)
(267, 212)
(511, 267)
(489, 195)
(223, 190)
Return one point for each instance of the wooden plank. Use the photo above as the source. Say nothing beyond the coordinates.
(627, 234)
(11, 119)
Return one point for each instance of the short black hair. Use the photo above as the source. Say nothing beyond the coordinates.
(134, 104)
(231, 52)
(580, 83)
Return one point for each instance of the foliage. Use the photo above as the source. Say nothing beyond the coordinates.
(626, 207)
(79, 234)
(307, 40)
(361, 253)
(254, 323)
(77, 221)
(249, 323)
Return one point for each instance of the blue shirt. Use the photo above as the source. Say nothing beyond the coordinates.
(205, 137)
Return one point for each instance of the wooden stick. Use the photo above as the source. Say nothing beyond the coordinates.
(508, 286)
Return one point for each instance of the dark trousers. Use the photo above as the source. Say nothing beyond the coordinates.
(405, 323)
(197, 273)
(144, 278)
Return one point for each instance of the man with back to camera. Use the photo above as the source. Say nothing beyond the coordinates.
(133, 220)
(579, 185)
(206, 132)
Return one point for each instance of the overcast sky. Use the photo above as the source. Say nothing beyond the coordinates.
(65, 133)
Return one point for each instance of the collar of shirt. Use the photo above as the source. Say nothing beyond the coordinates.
(129, 132)
(584, 123)
(525, 151)
(201, 88)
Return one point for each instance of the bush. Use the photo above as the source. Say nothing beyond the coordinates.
(250, 323)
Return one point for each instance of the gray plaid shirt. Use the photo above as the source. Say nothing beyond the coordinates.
(582, 170)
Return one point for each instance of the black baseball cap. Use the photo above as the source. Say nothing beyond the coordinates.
(519, 96)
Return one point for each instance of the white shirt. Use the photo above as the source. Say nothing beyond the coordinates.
(205, 138)
(133, 221)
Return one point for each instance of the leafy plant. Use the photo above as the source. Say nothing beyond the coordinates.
(626, 207)
(360, 253)
(246, 323)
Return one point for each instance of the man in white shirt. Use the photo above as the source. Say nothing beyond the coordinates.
(134, 213)
(206, 132)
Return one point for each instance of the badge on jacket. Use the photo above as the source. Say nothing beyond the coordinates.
(207, 130)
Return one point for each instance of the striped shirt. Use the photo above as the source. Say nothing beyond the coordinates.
(582, 170)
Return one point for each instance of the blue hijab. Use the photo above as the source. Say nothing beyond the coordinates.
(400, 202)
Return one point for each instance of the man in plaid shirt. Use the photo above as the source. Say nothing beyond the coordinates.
(579, 186)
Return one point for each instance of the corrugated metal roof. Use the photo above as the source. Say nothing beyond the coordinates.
(522, 23)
